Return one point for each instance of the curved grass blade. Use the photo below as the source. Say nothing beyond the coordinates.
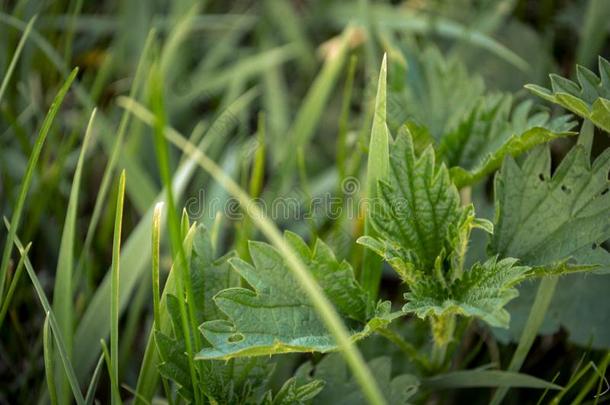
(486, 378)
(322, 305)
(59, 341)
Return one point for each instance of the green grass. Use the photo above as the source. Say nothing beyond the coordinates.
(123, 127)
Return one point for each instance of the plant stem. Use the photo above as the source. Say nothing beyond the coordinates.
(443, 328)
(410, 350)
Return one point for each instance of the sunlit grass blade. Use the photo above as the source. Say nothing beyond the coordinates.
(11, 67)
(27, 179)
(63, 292)
(377, 169)
(148, 377)
(47, 346)
(156, 258)
(321, 304)
(46, 306)
(115, 286)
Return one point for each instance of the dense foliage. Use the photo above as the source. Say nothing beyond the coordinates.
(285, 202)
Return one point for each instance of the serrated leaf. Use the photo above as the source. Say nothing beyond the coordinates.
(562, 223)
(477, 146)
(590, 98)
(276, 315)
(341, 388)
(238, 381)
(294, 393)
(417, 205)
(545, 220)
(482, 292)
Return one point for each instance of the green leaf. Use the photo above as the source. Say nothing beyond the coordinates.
(226, 382)
(560, 226)
(564, 217)
(293, 393)
(416, 207)
(277, 316)
(481, 292)
(590, 98)
(341, 388)
(477, 146)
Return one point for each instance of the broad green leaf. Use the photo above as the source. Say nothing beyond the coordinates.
(562, 224)
(477, 146)
(226, 382)
(277, 316)
(482, 292)
(341, 388)
(564, 217)
(590, 98)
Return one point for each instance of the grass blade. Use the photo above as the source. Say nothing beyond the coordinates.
(322, 305)
(114, 286)
(59, 341)
(13, 286)
(16, 54)
(535, 319)
(310, 112)
(136, 255)
(48, 356)
(184, 289)
(486, 378)
(156, 257)
(114, 388)
(27, 179)
(377, 169)
(63, 290)
(97, 372)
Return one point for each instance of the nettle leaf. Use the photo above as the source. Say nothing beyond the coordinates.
(415, 207)
(545, 220)
(276, 315)
(590, 98)
(342, 388)
(481, 292)
(477, 146)
(238, 381)
(560, 226)
(424, 236)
